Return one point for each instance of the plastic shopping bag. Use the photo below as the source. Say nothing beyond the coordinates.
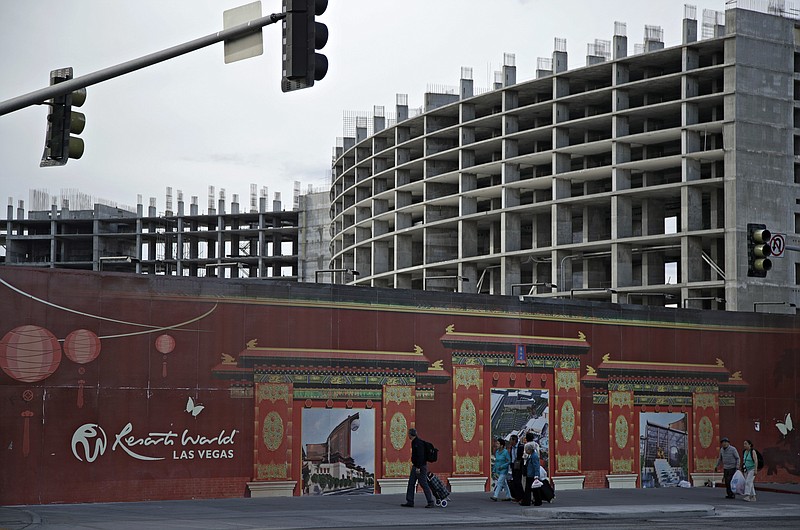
(737, 483)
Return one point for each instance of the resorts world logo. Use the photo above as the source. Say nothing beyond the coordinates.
(89, 441)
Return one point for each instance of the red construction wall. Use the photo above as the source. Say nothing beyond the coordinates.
(128, 382)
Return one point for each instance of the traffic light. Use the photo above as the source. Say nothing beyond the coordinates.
(302, 37)
(758, 250)
(59, 145)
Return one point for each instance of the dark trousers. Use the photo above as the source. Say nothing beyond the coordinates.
(418, 474)
(727, 475)
(529, 490)
(516, 485)
(547, 491)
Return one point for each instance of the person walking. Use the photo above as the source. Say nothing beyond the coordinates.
(750, 466)
(532, 467)
(502, 460)
(729, 460)
(419, 472)
(516, 451)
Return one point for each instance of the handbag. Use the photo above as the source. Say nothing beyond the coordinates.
(737, 483)
(538, 484)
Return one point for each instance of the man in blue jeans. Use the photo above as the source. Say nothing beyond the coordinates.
(419, 472)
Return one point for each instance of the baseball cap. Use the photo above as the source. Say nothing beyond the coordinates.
(725, 439)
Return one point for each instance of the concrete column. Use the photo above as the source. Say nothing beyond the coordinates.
(402, 251)
(466, 88)
(469, 271)
(620, 46)
(621, 265)
(542, 231)
(691, 209)
(511, 229)
(363, 262)
(689, 30)
(653, 268)
(401, 107)
(53, 231)
(621, 217)
(652, 217)
(378, 118)
(691, 262)
(509, 75)
(468, 239)
(179, 256)
(510, 272)
(559, 62)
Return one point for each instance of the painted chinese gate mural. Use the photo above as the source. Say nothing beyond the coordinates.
(129, 387)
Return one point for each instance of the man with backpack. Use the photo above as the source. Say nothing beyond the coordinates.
(419, 471)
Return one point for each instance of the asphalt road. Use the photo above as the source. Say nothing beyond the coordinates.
(600, 509)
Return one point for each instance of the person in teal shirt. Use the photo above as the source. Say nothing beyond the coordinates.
(502, 461)
(749, 463)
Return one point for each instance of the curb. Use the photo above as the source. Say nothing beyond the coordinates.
(776, 490)
(673, 511)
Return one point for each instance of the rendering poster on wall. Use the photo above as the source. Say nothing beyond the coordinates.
(519, 411)
(663, 443)
(338, 451)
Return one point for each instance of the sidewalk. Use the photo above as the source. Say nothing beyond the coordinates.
(473, 509)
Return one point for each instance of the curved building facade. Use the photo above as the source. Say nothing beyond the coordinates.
(631, 179)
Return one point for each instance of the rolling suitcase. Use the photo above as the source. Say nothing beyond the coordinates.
(439, 490)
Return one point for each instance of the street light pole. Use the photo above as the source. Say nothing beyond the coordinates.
(38, 97)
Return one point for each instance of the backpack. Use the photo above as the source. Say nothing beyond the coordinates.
(759, 459)
(431, 453)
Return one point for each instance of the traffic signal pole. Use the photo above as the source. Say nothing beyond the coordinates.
(39, 97)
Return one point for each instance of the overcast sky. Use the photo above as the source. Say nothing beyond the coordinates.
(193, 121)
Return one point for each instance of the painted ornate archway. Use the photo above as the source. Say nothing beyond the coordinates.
(632, 387)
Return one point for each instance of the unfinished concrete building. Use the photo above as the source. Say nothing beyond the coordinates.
(631, 179)
(254, 243)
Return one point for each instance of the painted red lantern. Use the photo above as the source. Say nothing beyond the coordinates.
(82, 346)
(29, 353)
(164, 344)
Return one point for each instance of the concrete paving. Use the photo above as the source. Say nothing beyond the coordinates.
(779, 503)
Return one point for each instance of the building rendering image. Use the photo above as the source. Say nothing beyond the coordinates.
(631, 179)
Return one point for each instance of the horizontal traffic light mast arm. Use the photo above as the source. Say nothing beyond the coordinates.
(39, 97)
